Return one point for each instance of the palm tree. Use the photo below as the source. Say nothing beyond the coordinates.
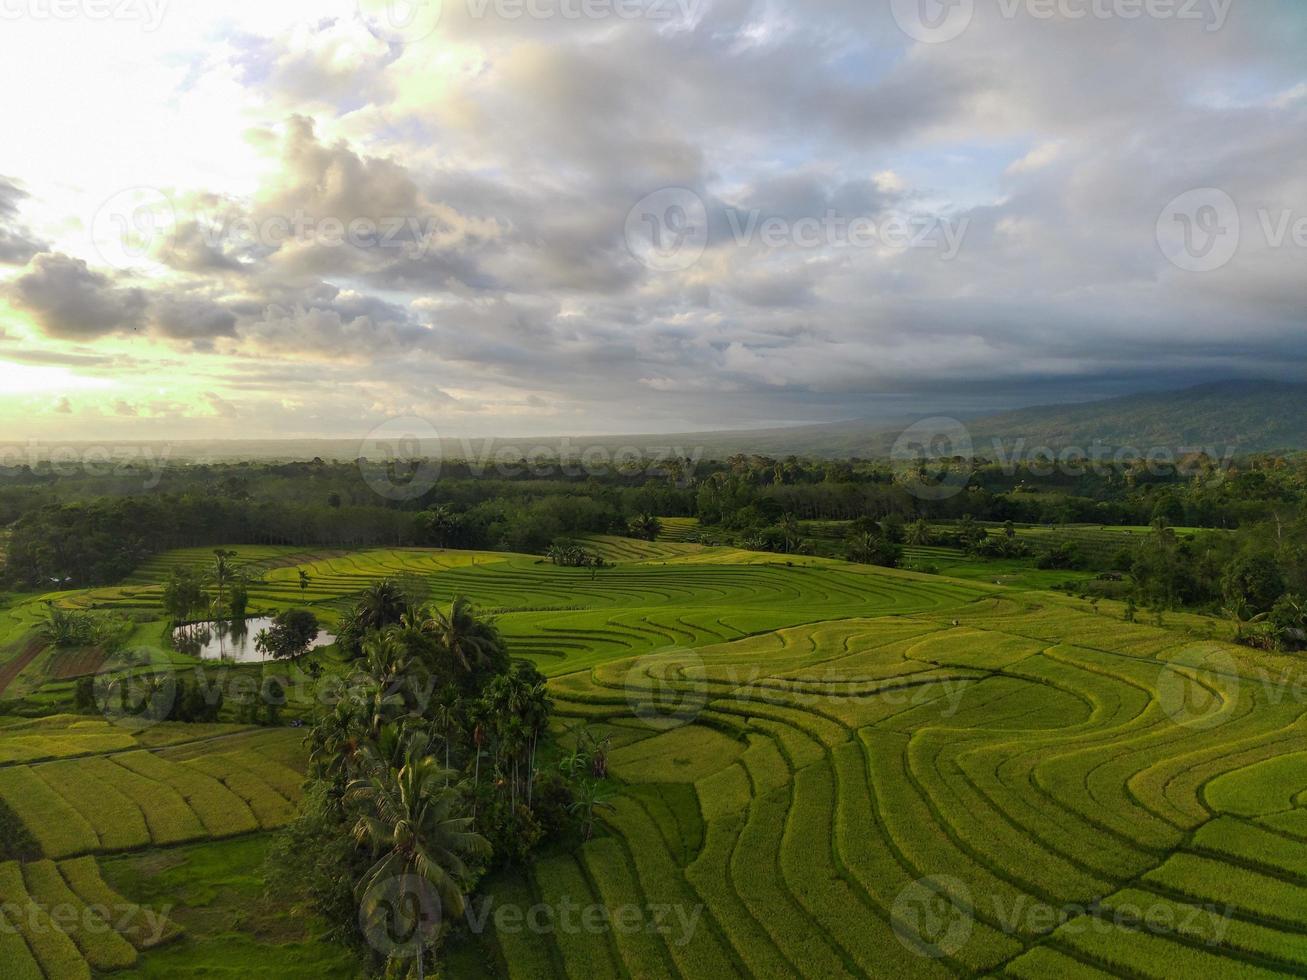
(304, 581)
(383, 604)
(415, 824)
(645, 526)
(474, 643)
(222, 573)
(335, 741)
(388, 662)
(447, 709)
(791, 533)
(535, 715)
(918, 533)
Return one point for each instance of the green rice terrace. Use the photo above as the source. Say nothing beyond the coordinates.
(816, 769)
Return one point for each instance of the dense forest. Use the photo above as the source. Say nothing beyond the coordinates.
(80, 529)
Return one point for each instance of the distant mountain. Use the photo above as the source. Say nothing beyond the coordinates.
(1232, 416)
(1239, 416)
(1245, 416)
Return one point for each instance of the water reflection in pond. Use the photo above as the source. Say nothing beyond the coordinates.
(231, 641)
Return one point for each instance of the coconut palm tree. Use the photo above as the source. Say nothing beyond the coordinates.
(336, 740)
(416, 827)
(645, 526)
(791, 533)
(473, 643)
(222, 573)
(446, 715)
(441, 522)
(918, 533)
(381, 604)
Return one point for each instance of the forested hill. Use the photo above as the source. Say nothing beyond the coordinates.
(1252, 416)
(1238, 416)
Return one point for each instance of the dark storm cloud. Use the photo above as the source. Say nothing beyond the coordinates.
(70, 301)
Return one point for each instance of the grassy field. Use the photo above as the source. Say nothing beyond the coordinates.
(820, 769)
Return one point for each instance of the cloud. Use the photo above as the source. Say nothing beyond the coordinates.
(17, 244)
(70, 301)
(511, 153)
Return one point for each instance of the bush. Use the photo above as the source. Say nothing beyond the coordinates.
(1065, 557)
(871, 549)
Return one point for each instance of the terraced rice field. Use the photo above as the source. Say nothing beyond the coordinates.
(125, 797)
(820, 770)
(678, 529)
(61, 920)
(1003, 784)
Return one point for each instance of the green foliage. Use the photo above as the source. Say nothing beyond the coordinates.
(238, 601)
(1065, 556)
(1253, 583)
(291, 634)
(875, 549)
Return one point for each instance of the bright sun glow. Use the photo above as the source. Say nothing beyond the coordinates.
(29, 379)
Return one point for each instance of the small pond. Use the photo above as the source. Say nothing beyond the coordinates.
(231, 641)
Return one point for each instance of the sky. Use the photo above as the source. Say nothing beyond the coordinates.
(245, 219)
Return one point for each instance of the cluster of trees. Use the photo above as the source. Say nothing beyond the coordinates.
(755, 491)
(135, 696)
(871, 542)
(1257, 576)
(291, 635)
(566, 554)
(82, 529)
(67, 628)
(427, 772)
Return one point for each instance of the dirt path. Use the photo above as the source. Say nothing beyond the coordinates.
(15, 667)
